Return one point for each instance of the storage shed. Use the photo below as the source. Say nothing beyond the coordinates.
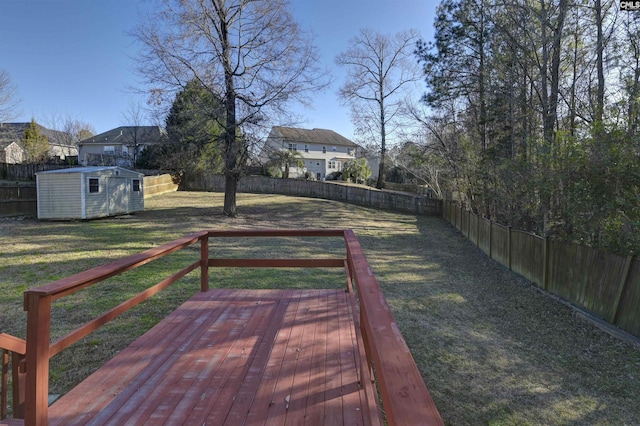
(89, 192)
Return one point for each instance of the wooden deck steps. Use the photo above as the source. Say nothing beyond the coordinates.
(273, 357)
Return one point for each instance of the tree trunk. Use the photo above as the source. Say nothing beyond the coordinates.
(230, 188)
(230, 139)
(383, 131)
(600, 67)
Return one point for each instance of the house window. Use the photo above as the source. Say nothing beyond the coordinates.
(349, 151)
(293, 147)
(324, 149)
(332, 164)
(94, 185)
(109, 149)
(334, 149)
(136, 185)
(306, 148)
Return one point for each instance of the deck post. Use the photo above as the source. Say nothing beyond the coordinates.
(18, 377)
(36, 402)
(204, 263)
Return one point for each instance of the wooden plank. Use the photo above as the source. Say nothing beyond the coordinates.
(232, 356)
(277, 263)
(134, 364)
(13, 344)
(314, 409)
(263, 402)
(140, 398)
(315, 314)
(282, 392)
(333, 383)
(246, 395)
(179, 378)
(277, 233)
(216, 396)
(350, 389)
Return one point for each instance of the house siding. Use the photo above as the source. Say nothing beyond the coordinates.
(14, 154)
(319, 158)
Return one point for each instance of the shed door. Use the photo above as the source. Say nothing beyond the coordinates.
(118, 199)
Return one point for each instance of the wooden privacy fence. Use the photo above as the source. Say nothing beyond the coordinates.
(155, 185)
(369, 197)
(604, 284)
(25, 171)
(18, 199)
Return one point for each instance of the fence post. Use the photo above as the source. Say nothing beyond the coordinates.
(545, 263)
(490, 239)
(509, 248)
(621, 287)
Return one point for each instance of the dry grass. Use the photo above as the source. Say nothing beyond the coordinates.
(491, 349)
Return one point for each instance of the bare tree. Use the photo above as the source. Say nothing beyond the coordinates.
(68, 132)
(72, 130)
(250, 53)
(134, 117)
(8, 101)
(379, 68)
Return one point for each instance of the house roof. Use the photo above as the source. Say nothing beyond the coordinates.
(89, 169)
(127, 135)
(313, 136)
(14, 132)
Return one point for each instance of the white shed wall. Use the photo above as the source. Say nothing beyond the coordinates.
(95, 203)
(59, 196)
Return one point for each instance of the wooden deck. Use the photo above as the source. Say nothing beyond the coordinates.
(233, 357)
(271, 357)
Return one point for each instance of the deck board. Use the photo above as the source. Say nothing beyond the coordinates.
(232, 357)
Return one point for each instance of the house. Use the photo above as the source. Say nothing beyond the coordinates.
(88, 192)
(323, 151)
(120, 146)
(61, 147)
(11, 152)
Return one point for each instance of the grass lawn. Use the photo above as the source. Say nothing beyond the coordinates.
(491, 349)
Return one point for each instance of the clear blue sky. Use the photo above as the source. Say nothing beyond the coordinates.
(73, 58)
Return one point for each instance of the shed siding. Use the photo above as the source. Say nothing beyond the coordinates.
(95, 203)
(59, 196)
(136, 199)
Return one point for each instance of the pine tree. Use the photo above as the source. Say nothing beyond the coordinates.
(36, 145)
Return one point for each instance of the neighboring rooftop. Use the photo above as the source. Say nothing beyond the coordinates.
(127, 135)
(313, 136)
(14, 132)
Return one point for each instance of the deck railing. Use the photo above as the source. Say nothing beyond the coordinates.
(405, 397)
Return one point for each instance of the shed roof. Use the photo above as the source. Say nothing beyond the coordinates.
(313, 136)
